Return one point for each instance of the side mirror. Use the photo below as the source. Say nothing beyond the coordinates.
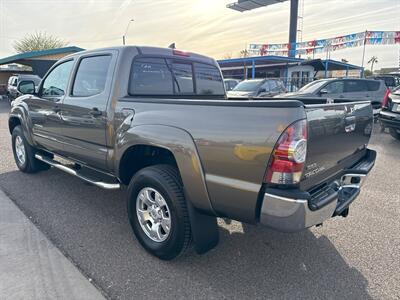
(261, 91)
(323, 91)
(26, 87)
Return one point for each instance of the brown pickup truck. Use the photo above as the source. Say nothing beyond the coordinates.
(157, 121)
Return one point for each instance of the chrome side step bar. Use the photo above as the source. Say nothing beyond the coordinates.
(55, 164)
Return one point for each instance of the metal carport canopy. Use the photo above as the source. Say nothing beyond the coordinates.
(39, 61)
(257, 60)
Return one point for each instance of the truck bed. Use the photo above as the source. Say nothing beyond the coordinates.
(235, 139)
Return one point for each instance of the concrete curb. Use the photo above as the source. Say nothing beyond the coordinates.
(31, 267)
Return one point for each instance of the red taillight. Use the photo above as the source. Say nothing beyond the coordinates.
(180, 53)
(287, 160)
(386, 98)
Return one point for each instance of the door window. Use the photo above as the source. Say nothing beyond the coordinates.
(335, 87)
(91, 76)
(352, 86)
(55, 84)
(273, 85)
(265, 86)
(373, 85)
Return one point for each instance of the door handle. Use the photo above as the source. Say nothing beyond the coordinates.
(350, 120)
(95, 112)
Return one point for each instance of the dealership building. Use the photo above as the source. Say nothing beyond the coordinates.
(294, 72)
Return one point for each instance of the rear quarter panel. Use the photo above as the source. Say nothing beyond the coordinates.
(233, 144)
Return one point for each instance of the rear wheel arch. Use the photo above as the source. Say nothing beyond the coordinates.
(180, 145)
(141, 156)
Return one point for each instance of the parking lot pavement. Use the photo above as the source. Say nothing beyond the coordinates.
(353, 258)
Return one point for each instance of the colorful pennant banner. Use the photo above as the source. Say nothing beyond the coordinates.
(332, 44)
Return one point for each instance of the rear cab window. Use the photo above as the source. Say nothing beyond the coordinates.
(208, 80)
(173, 77)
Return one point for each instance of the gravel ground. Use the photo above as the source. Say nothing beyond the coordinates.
(357, 257)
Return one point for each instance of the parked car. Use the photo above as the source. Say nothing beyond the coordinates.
(390, 114)
(257, 88)
(12, 91)
(349, 88)
(157, 121)
(391, 81)
(230, 83)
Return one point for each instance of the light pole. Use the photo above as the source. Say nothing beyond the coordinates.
(127, 27)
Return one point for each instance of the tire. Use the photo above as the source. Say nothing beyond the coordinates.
(169, 242)
(24, 153)
(394, 133)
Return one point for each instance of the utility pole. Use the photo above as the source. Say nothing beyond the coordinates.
(126, 31)
(300, 23)
(363, 55)
(294, 11)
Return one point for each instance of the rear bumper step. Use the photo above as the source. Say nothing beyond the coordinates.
(294, 210)
(96, 182)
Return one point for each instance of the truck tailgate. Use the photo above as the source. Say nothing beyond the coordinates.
(337, 137)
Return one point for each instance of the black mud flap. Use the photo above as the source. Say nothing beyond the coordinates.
(204, 230)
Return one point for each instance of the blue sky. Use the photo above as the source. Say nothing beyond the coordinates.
(204, 26)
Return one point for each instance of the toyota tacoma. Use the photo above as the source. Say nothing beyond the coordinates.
(157, 121)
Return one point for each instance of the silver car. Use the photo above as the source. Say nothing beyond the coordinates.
(349, 88)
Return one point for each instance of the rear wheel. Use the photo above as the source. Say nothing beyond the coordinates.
(157, 211)
(395, 133)
(24, 154)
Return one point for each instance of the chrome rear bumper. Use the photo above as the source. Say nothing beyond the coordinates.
(289, 214)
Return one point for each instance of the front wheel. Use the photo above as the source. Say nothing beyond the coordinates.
(24, 154)
(395, 133)
(157, 211)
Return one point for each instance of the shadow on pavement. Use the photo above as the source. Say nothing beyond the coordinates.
(90, 226)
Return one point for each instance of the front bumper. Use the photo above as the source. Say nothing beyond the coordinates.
(291, 211)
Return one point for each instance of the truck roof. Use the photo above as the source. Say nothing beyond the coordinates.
(156, 51)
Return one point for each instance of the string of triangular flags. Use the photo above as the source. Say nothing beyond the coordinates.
(331, 44)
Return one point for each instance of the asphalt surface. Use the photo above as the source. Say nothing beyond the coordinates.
(357, 257)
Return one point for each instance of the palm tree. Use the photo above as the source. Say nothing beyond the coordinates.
(244, 53)
(372, 61)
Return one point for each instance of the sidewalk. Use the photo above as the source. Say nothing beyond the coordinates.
(31, 267)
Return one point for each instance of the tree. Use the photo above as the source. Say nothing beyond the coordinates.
(372, 61)
(38, 41)
(367, 73)
(244, 53)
